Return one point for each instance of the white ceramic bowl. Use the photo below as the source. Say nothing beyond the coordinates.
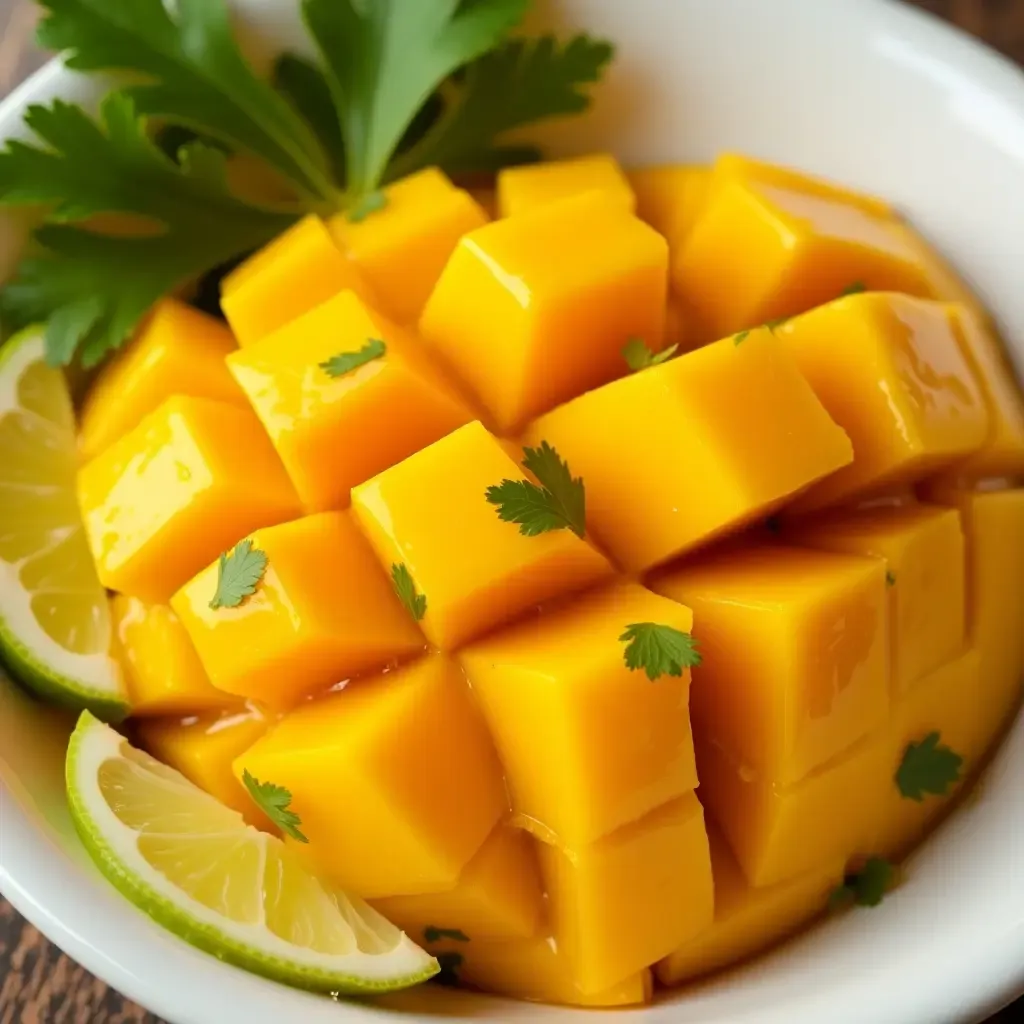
(869, 92)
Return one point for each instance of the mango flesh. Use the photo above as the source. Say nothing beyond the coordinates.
(523, 189)
(670, 198)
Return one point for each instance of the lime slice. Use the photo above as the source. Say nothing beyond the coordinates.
(195, 867)
(55, 630)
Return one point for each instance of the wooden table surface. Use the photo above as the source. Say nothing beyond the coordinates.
(38, 984)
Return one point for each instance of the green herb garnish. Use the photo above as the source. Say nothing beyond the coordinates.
(273, 801)
(639, 357)
(346, 362)
(853, 289)
(769, 325)
(449, 962)
(890, 578)
(239, 572)
(928, 768)
(659, 650)
(434, 934)
(405, 588)
(866, 887)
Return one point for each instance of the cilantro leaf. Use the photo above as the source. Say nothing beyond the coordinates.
(346, 362)
(770, 325)
(854, 288)
(273, 801)
(434, 934)
(927, 768)
(405, 588)
(449, 962)
(558, 504)
(639, 357)
(866, 887)
(741, 336)
(659, 650)
(372, 202)
(239, 572)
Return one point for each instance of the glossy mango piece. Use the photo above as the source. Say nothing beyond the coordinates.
(795, 653)
(395, 779)
(533, 310)
(333, 432)
(709, 417)
(890, 371)
(161, 667)
(177, 351)
(295, 272)
(190, 480)
(626, 901)
(322, 612)
(670, 197)
(403, 247)
(474, 570)
(747, 920)
(498, 896)
(923, 551)
(204, 749)
(587, 744)
(531, 186)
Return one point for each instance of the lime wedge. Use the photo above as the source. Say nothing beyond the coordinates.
(195, 867)
(55, 630)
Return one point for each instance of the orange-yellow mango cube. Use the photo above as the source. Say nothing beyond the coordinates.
(191, 479)
(291, 275)
(670, 198)
(322, 612)
(524, 189)
(795, 654)
(626, 901)
(533, 310)
(177, 351)
(498, 896)
(587, 744)
(721, 419)
(403, 247)
(161, 667)
(395, 779)
(335, 432)
(430, 512)
(890, 371)
(922, 548)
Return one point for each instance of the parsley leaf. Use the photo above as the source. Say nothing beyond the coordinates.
(273, 801)
(927, 768)
(853, 289)
(346, 362)
(434, 934)
(559, 504)
(638, 356)
(865, 888)
(238, 574)
(659, 650)
(449, 962)
(372, 202)
(405, 588)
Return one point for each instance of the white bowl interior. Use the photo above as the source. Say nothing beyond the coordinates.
(868, 92)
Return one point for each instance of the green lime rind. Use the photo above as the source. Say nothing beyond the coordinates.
(182, 924)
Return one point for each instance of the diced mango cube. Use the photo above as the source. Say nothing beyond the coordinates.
(524, 189)
(191, 479)
(534, 310)
(795, 654)
(747, 920)
(395, 779)
(587, 744)
(291, 275)
(670, 198)
(177, 351)
(890, 371)
(322, 612)
(922, 548)
(474, 570)
(722, 418)
(161, 667)
(626, 901)
(403, 247)
(333, 432)
(498, 896)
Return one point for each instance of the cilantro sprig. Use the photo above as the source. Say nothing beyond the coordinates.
(405, 587)
(639, 357)
(274, 801)
(928, 768)
(659, 650)
(346, 362)
(865, 887)
(239, 572)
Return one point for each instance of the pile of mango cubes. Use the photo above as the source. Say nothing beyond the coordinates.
(823, 485)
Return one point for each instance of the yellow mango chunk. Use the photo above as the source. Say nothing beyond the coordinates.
(322, 612)
(204, 750)
(191, 479)
(163, 671)
(626, 901)
(670, 198)
(923, 550)
(395, 779)
(747, 920)
(524, 189)
(890, 371)
(177, 351)
(291, 275)
(587, 744)
(333, 432)
(403, 247)
(474, 570)
(722, 417)
(498, 896)
(534, 310)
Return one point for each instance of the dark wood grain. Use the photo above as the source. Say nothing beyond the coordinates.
(38, 984)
